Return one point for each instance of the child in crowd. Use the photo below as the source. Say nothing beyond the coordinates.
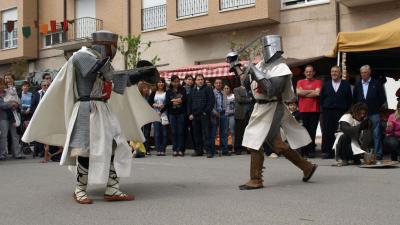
(292, 106)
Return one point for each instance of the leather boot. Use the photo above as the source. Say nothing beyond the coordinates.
(80, 194)
(307, 167)
(256, 167)
(293, 156)
(113, 193)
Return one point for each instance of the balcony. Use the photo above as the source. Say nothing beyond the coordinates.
(192, 17)
(191, 8)
(235, 4)
(154, 18)
(356, 3)
(79, 33)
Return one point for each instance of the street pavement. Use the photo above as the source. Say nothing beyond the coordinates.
(197, 190)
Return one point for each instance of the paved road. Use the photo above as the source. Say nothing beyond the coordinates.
(203, 191)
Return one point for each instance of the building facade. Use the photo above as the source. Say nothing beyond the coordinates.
(182, 32)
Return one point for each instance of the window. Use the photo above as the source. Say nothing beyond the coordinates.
(288, 4)
(54, 38)
(9, 39)
(235, 4)
(154, 14)
(190, 8)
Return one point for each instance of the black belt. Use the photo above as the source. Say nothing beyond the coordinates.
(261, 101)
(88, 98)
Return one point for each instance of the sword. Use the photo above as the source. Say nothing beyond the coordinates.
(263, 33)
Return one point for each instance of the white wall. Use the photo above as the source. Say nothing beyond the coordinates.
(391, 87)
(85, 8)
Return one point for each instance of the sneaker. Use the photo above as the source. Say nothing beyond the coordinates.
(273, 156)
(378, 162)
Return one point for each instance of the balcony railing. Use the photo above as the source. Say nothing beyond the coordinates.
(234, 4)
(154, 17)
(81, 28)
(188, 8)
(84, 27)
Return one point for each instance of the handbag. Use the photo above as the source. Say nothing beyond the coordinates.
(164, 119)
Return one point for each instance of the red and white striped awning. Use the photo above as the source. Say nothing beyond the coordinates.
(208, 70)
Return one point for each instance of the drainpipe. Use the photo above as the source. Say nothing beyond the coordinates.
(337, 11)
(129, 30)
(129, 17)
(38, 33)
(65, 10)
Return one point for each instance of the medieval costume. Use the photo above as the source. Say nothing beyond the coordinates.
(270, 83)
(88, 101)
(354, 137)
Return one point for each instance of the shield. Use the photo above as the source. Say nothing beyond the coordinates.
(26, 31)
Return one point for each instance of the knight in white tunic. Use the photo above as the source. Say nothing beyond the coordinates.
(270, 83)
(94, 110)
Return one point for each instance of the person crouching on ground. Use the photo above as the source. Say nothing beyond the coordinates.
(354, 137)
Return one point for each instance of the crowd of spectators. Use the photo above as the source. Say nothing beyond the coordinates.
(210, 117)
(17, 106)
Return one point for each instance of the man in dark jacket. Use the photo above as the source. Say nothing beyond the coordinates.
(336, 99)
(371, 92)
(199, 109)
(243, 103)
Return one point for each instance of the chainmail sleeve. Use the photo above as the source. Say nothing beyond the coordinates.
(84, 63)
(120, 81)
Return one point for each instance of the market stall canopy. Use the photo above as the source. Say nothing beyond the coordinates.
(208, 70)
(385, 36)
(320, 63)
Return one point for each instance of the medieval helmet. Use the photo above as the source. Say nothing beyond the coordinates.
(105, 42)
(272, 47)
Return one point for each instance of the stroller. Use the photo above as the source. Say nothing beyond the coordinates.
(26, 148)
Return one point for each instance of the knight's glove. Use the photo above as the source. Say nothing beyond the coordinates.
(255, 73)
(233, 59)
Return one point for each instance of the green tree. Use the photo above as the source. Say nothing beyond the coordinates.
(132, 47)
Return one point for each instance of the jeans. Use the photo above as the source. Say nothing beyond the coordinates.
(189, 141)
(231, 128)
(160, 136)
(177, 123)
(6, 126)
(146, 132)
(376, 126)
(220, 124)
